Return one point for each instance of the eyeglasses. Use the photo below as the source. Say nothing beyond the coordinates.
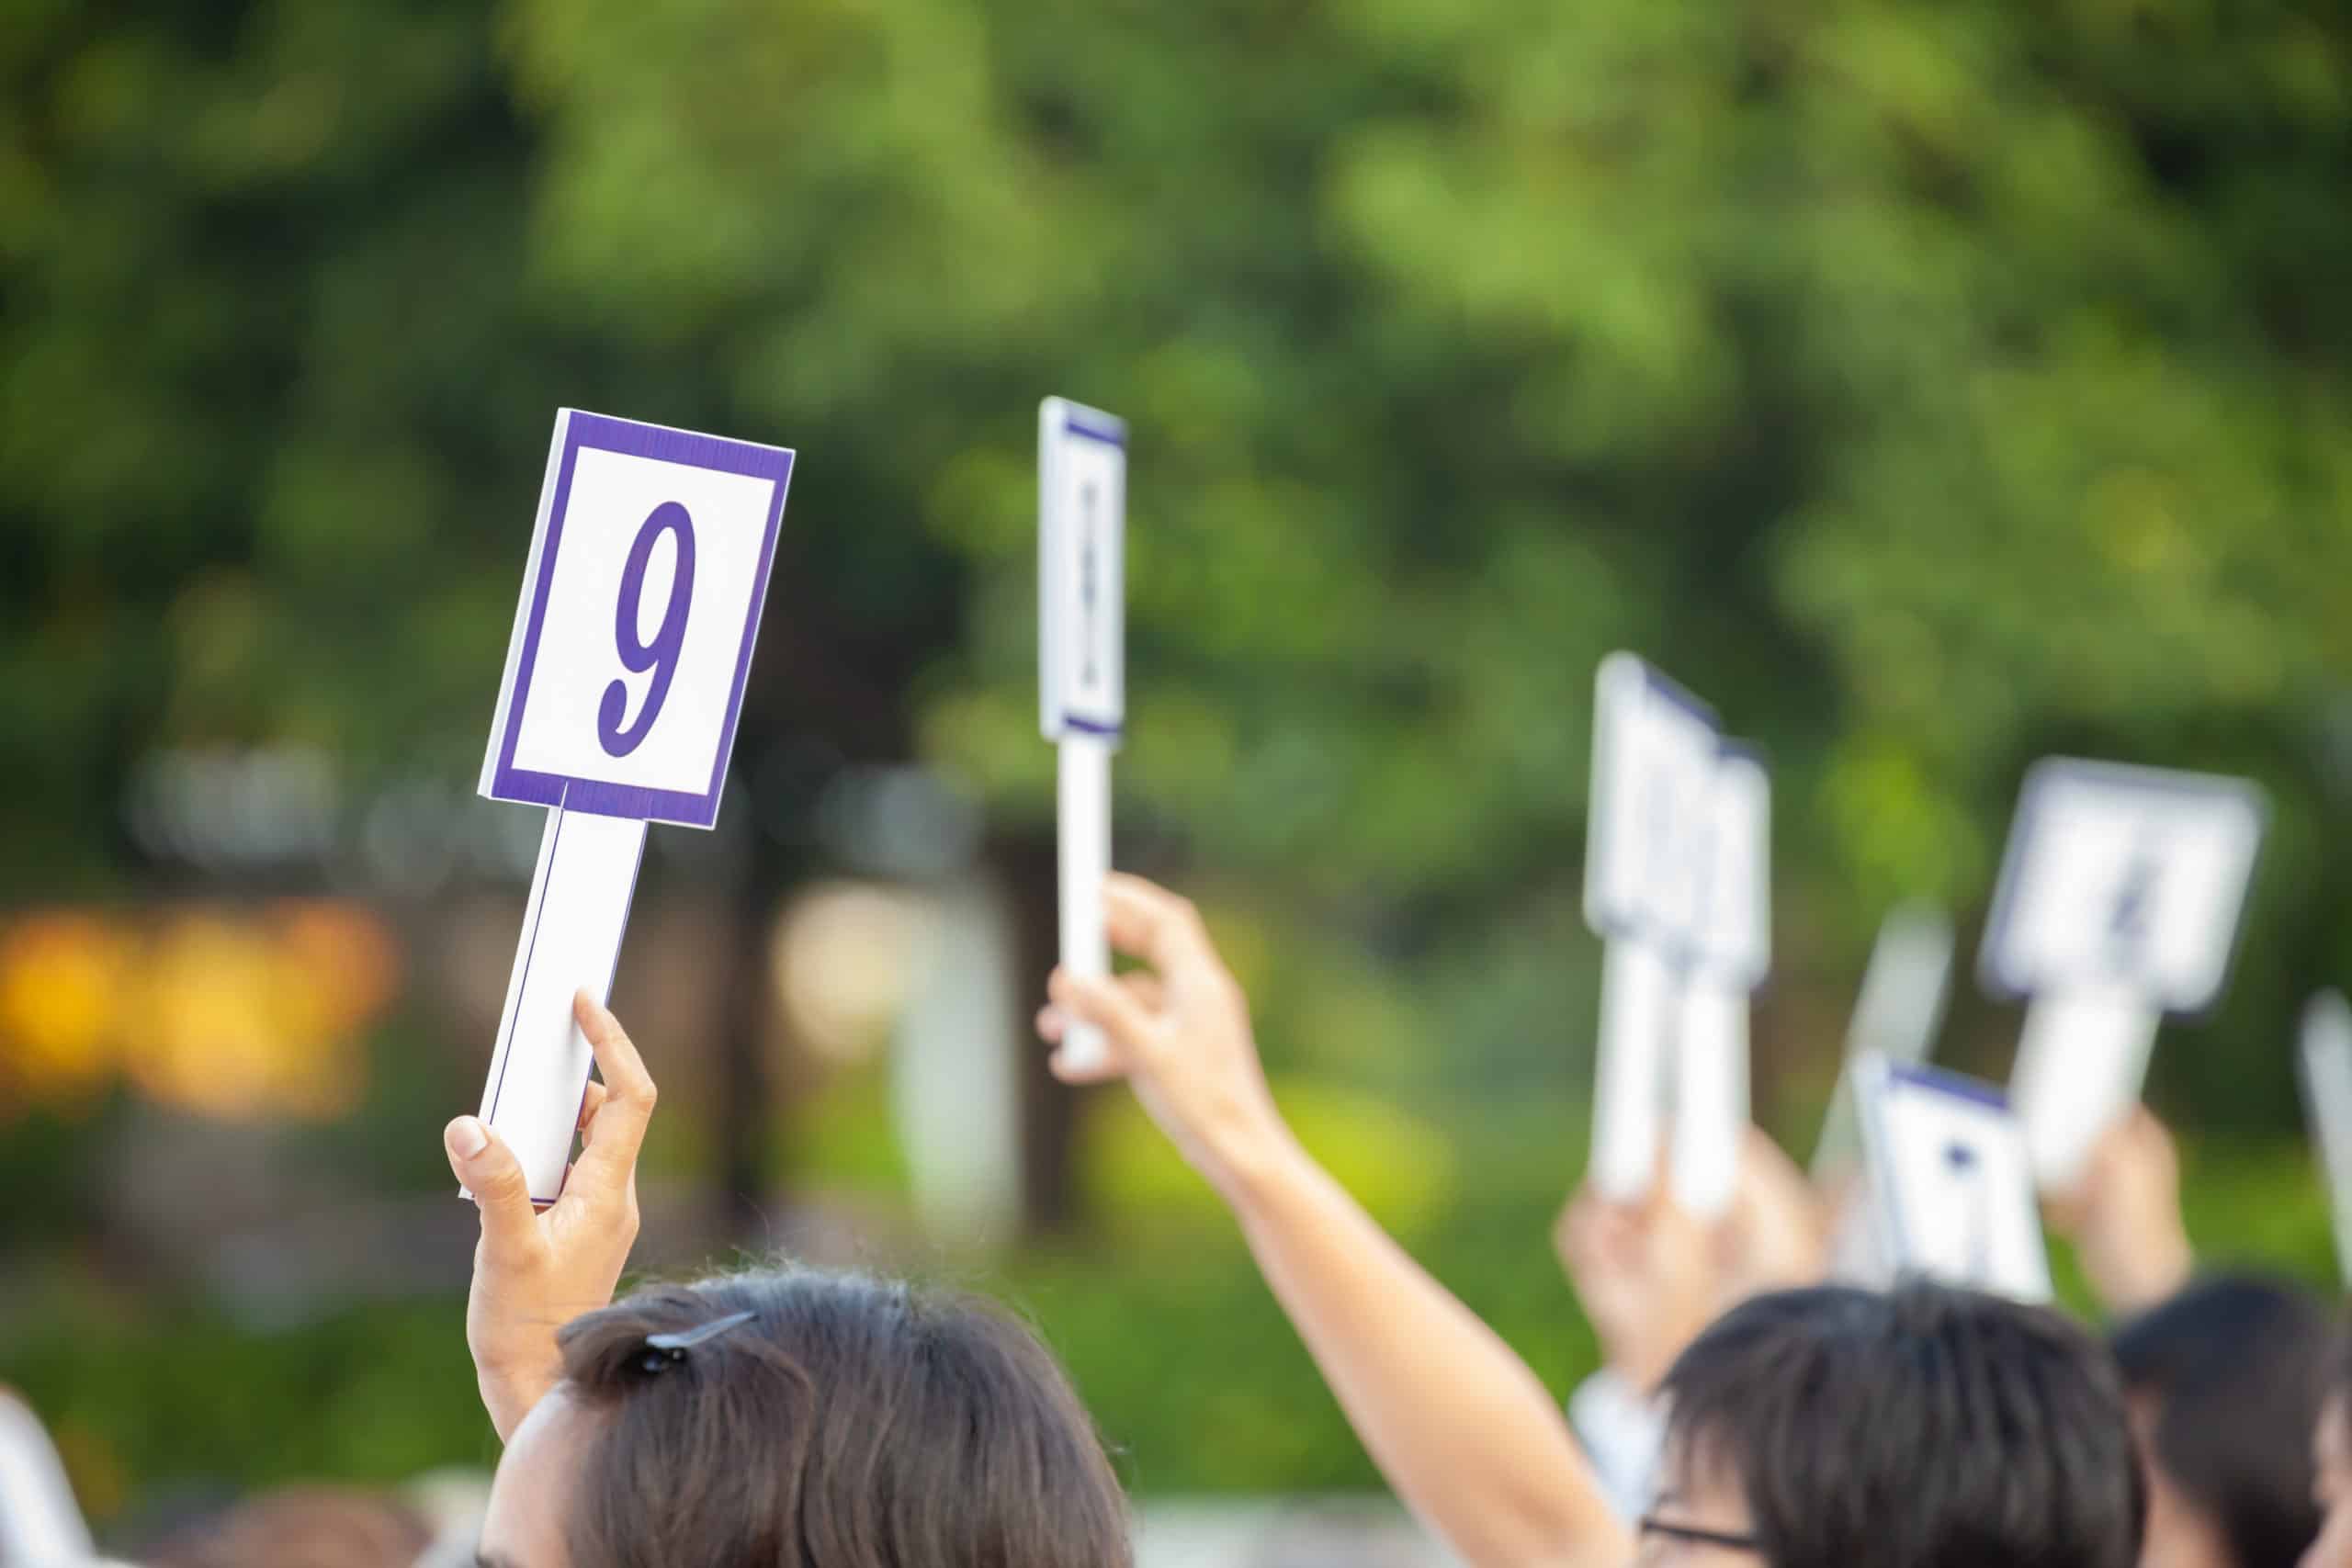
(1653, 1530)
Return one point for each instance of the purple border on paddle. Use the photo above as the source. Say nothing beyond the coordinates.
(1093, 425)
(1083, 423)
(632, 439)
(1954, 1085)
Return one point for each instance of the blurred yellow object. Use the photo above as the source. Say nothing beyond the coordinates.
(338, 966)
(218, 1011)
(60, 983)
(209, 1043)
(233, 1025)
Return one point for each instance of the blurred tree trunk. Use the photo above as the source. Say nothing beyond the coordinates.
(1025, 859)
(752, 1039)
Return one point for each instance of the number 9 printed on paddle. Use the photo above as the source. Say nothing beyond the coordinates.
(641, 606)
(661, 655)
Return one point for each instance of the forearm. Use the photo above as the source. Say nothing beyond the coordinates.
(509, 1394)
(1465, 1432)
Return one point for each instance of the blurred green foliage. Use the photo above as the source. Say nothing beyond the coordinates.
(1930, 387)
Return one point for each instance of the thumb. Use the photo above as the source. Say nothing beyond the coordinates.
(488, 1169)
(1111, 1010)
(1103, 1002)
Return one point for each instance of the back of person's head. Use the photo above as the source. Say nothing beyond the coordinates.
(2227, 1378)
(1920, 1427)
(2331, 1466)
(848, 1421)
(304, 1526)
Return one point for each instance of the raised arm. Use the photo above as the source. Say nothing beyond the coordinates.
(1469, 1438)
(2124, 1216)
(534, 1272)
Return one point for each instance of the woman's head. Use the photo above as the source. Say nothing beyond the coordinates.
(845, 1422)
(2332, 1467)
(1921, 1428)
(2225, 1380)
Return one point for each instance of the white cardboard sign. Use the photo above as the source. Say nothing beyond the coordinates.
(1081, 662)
(1081, 570)
(572, 925)
(1904, 988)
(2081, 1060)
(1711, 1094)
(2119, 901)
(1732, 936)
(640, 605)
(1730, 952)
(2325, 1058)
(1677, 882)
(623, 685)
(2123, 878)
(1639, 1014)
(1896, 1016)
(1655, 753)
(1952, 1184)
(39, 1522)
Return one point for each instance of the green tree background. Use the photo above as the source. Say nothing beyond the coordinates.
(1933, 387)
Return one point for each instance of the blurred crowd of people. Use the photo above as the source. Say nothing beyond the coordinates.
(1748, 1410)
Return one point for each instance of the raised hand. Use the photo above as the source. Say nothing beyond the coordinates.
(1180, 1035)
(1650, 1275)
(1776, 1235)
(2124, 1215)
(1470, 1439)
(535, 1271)
(1645, 1274)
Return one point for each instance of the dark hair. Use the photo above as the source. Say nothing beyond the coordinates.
(849, 1422)
(1922, 1428)
(2237, 1368)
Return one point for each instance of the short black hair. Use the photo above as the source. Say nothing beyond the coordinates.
(2236, 1367)
(1921, 1428)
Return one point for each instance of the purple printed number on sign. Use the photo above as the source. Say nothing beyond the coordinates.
(661, 655)
(622, 686)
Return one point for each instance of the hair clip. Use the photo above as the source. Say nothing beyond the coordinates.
(663, 1351)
